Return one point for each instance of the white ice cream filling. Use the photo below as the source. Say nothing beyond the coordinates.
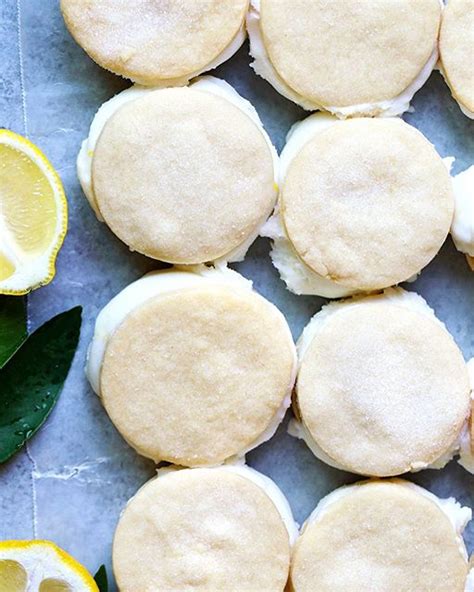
(411, 301)
(458, 515)
(264, 68)
(462, 228)
(160, 283)
(269, 487)
(205, 83)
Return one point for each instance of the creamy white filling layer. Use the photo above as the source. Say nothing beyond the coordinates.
(469, 587)
(298, 277)
(160, 283)
(410, 301)
(206, 84)
(458, 515)
(264, 68)
(462, 228)
(265, 483)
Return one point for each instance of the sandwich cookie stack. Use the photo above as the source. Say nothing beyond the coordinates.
(183, 175)
(382, 388)
(362, 58)
(364, 204)
(382, 535)
(193, 366)
(227, 528)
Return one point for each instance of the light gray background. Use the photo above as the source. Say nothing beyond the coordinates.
(71, 483)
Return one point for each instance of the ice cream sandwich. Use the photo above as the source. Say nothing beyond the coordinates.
(193, 366)
(228, 528)
(157, 43)
(183, 175)
(382, 535)
(364, 204)
(350, 58)
(382, 388)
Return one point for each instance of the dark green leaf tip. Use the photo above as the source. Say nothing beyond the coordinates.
(101, 579)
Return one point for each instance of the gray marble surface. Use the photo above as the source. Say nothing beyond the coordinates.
(77, 473)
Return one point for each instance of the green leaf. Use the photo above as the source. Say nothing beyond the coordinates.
(12, 326)
(101, 579)
(31, 381)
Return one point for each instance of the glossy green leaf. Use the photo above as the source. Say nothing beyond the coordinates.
(12, 326)
(101, 579)
(30, 383)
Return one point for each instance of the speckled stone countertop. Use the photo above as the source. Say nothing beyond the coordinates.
(77, 473)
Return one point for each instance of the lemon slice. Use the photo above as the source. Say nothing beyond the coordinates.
(41, 566)
(33, 215)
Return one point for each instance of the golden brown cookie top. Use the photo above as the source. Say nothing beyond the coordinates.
(367, 203)
(151, 42)
(383, 389)
(456, 43)
(379, 535)
(340, 54)
(183, 175)
(206, 530)
(196, 376)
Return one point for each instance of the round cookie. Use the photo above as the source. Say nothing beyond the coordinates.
(382, 388)
(456, 44)
(201, 529)
(198, 375)
(154, 42)
(183, 175)
(336, 57)
(367, 203)
(379, 535)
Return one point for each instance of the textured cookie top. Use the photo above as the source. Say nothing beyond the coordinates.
(183, 175)
(349, 53)
(381, 536)
(196, 376)
(149, 41)
(456, 45)
(205, 530)
(367, 203)
(383, 389)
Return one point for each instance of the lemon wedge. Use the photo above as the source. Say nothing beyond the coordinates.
(41, 566)
(33, 215)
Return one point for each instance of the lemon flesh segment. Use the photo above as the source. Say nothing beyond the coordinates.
(28, 205)
(33, 215)
(54, 585)
(7, 268)
(13, 577)
(41, 566)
